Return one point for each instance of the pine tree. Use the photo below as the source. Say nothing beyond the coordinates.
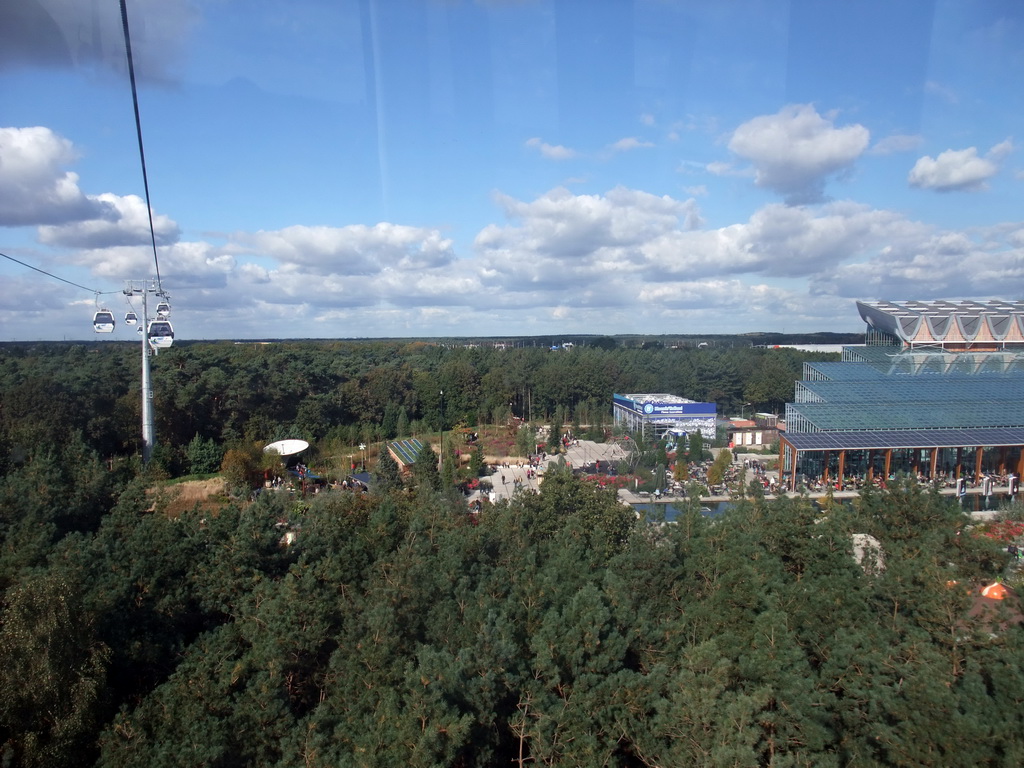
(476, 462)
(424, 469)
(203, 456)
(387, 477)
(696, 453)
(53, 674)
(402, 425)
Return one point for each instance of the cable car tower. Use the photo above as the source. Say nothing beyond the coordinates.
(156, 334)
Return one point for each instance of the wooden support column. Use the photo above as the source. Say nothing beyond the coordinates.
(792, 473)
(978, 455)
(959, 462)
(1002, 460)
(935, 464)
(1020, 464)
(842, 462)
(871, 466)
(792, 468)
(888, 463)
(787, 451)
(824, 467)
(782, 458)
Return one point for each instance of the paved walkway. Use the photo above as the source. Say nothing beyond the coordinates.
(582, 452)
(509, 479)
(515, 476)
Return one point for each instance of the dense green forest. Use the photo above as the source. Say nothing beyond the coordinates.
(397, 629)
(352, 391)
(556, 630)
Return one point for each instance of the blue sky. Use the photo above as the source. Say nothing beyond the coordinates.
(369, 168)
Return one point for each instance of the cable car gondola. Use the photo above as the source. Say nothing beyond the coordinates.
(163, 310)
(103, 321)
(130, 318)
(161, 335)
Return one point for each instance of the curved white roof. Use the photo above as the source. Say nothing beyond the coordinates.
(286, 447)
(947, 322)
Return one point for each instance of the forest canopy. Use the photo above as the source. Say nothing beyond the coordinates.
(554, 629)
(394, 627)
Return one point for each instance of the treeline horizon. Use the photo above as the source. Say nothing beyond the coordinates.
(348, 392)
(609, 341)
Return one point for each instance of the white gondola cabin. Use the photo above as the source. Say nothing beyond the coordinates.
(130, 318)
(163, 310)
(103, 321)
(160, 334)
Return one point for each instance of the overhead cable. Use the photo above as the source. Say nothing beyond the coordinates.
(138, 131)
(56, 277)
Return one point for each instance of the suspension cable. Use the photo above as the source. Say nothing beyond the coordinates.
(138, 131)
(57, 277)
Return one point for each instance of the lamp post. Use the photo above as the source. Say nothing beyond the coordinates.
(743, 410)
(362, 455)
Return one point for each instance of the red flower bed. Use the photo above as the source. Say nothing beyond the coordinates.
(1006, 530)
(611, 481)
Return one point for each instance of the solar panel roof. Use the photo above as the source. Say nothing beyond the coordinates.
(407, 450)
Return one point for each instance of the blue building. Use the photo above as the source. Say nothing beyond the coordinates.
(659, 414)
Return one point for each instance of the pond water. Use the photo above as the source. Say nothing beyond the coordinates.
(972, 502)
(671, 511)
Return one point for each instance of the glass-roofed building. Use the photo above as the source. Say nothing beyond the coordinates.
(950, 409)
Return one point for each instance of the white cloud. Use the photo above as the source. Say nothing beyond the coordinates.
(34, 187)
(353, 250)
(795, 150)
(723, 169)
(958, 169)
(777, 240)
(647, 118)
(591, 249)
(551, 151)
(628, 143)
(1002, 150)
(181, 264)
(988, 262)
(125, 222)
(568, 225)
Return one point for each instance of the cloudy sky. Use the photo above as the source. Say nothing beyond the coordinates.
(366, 168)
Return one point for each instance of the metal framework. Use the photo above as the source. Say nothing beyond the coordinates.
(929, 411)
